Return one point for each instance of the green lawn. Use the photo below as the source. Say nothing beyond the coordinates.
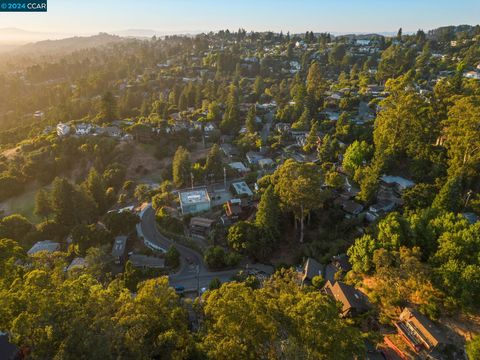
(22, 204)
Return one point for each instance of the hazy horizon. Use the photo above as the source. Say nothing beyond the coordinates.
(67, 18)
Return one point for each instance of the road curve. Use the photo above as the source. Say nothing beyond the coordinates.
(191, 275)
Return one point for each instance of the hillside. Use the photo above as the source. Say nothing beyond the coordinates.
(67, 45)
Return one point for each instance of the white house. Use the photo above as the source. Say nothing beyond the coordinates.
(63, 129)
(472, 75)
(194, 201)
(83, 129)
(399, 182)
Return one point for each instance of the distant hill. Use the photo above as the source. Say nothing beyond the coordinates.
(49, 47)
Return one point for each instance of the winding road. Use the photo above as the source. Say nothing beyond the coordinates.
(192, 274)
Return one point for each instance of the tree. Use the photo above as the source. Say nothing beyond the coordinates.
(356, 155)
(328, 149)
(449, 198)
(243, 238)
(368, 177)
(181, 167)
(214, 113)
(43, 207)
(405, 125)
(214, 163)
(108, 107)
(299, 188)
(216, 258)
(280, 320)
(419, 196)
(15, 227)
(231, 118)
(311, 142)
(303, 123)
(96, 188)
(334, 179)
(87, 236)
(250, 122)
(119, 223)
(62, 202)
(473, 347)
(268, 213)
(142, 192)
(172, 257)
(258, 87)
(462, 136)
(316, 84)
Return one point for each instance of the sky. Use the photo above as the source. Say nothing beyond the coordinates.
(170, 16)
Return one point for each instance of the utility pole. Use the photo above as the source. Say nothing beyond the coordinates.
(198, 279)
(225, 177)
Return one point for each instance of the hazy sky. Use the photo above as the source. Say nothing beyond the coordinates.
(92, 16)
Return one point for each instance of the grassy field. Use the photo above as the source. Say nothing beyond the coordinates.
(22, 204)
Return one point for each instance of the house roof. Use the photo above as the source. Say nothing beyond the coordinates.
(398, 180)
(7, 349)
(201, 222)
(119, 246)
(194, 196)
(311, 269)
(46, 245)
(347, 295)
(425, 328)
(139, 260)
(78, 262)
(241, 188)
(233, 208)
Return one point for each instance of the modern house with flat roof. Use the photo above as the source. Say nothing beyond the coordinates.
(194, 201)
(241, 188)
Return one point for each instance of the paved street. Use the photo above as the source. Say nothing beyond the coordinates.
(191, 276)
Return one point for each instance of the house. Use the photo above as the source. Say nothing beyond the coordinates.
(398, 182)
(241, 188)
(282, 127)
(200, 226)
(77, 263)
(233, 208)
(472, 75)
(83, 129)
(46, 245)
(349, 206)
(419, 332)
(253, 157)
(229, 150)
(113, 131)
(339, 264)
(265, 163)
(209, 128)
(9, 351)
(118, 250)
(239, 167)
(311, 269)
(146, 262)
(353, 301)
(471, 217)
(378, 209)
(194, 201)
(63, 129)
(295, 67)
